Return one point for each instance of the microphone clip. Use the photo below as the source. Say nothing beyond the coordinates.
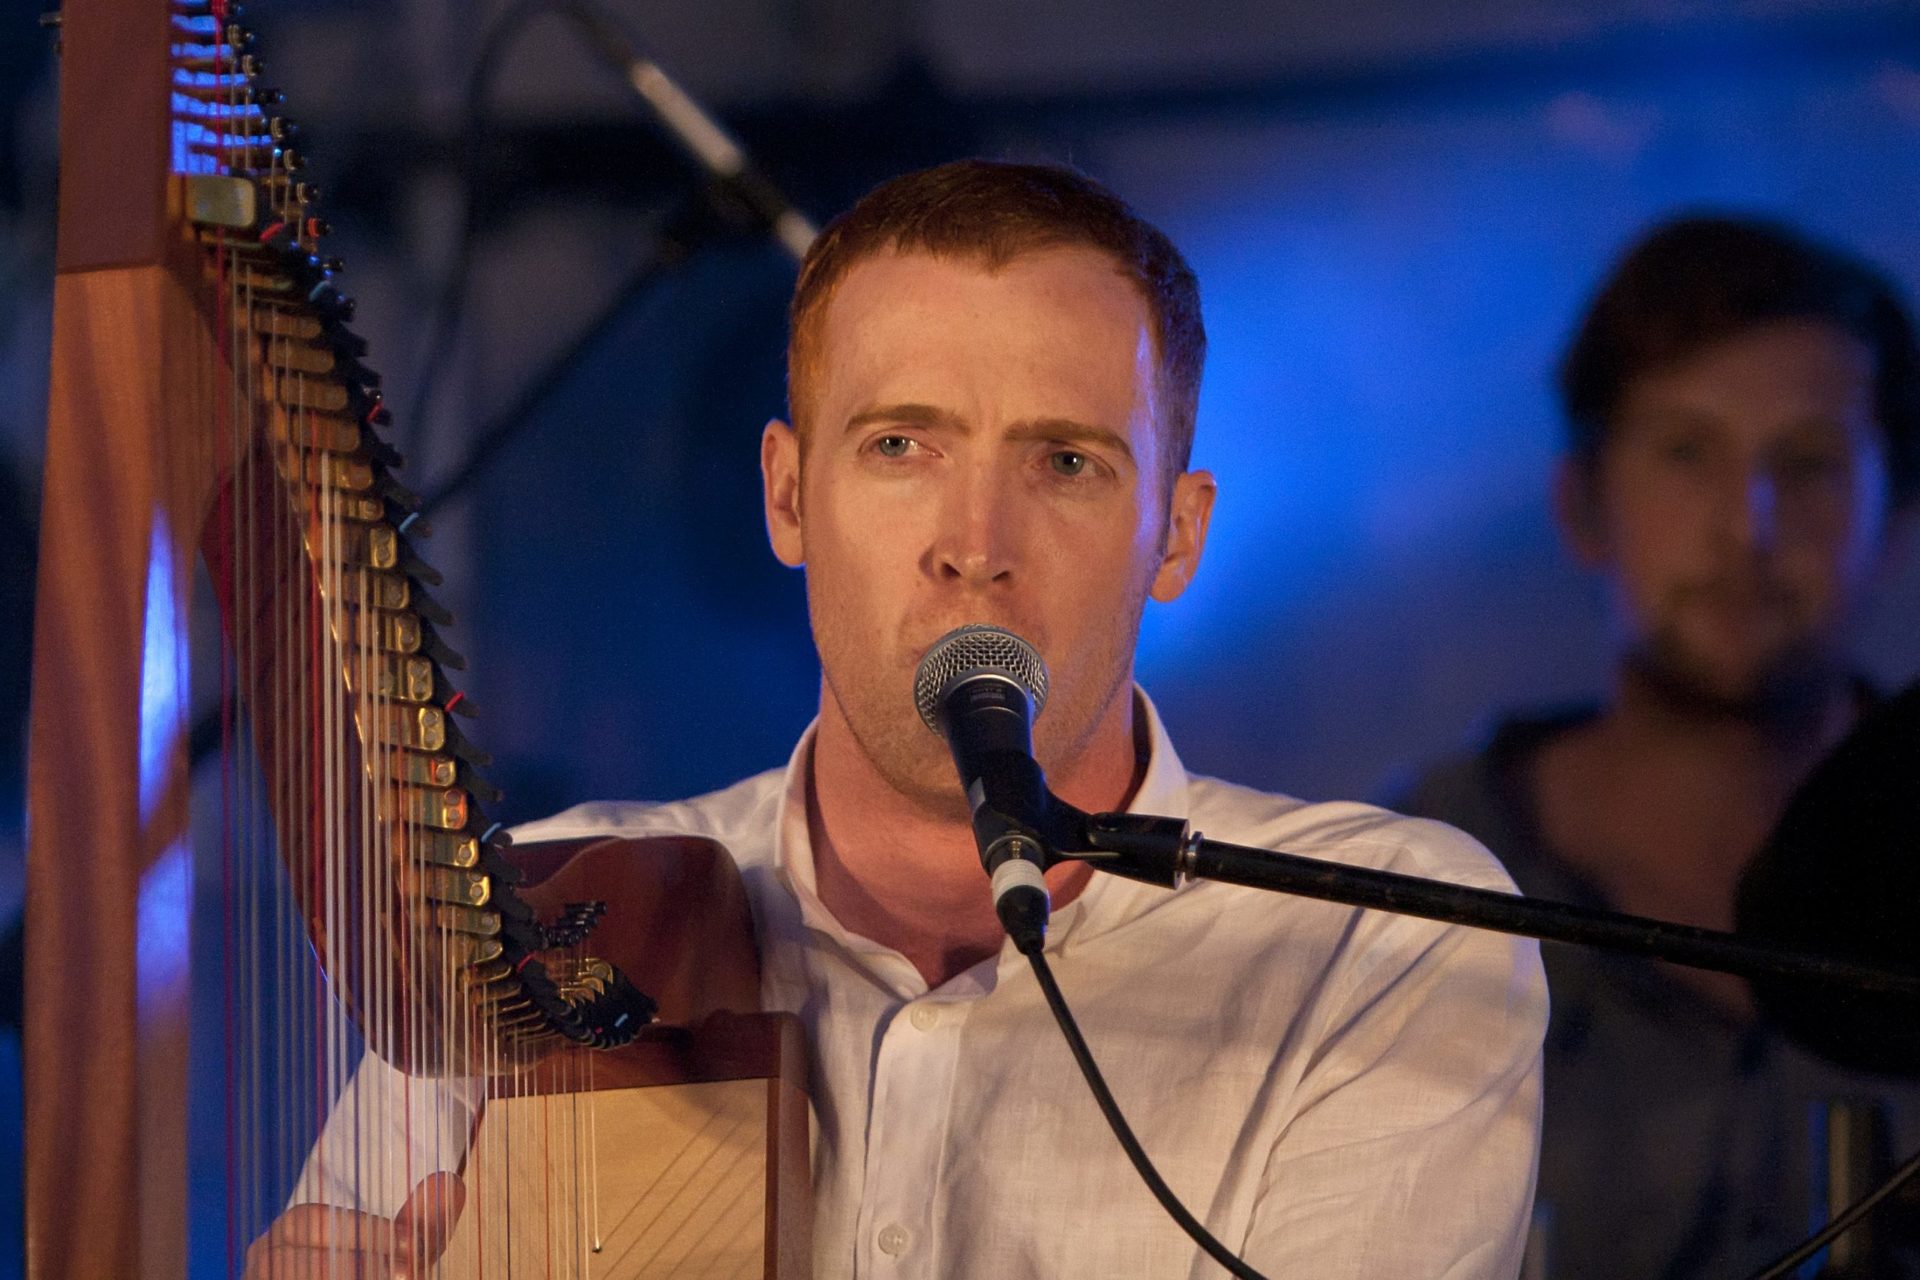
(1015, 853)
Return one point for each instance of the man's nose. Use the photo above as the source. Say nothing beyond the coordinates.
(1753, 507)
(977, 537)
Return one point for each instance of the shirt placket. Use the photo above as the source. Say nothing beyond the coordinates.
(912, 1097)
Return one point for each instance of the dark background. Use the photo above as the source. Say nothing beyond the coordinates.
(1395, 209)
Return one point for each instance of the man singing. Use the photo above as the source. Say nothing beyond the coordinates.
(994, 370)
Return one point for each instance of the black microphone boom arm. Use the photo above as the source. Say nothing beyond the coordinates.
(1164, 851)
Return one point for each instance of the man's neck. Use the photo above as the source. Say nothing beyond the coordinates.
(1663, 804)
(906, 874)
(1774, 746)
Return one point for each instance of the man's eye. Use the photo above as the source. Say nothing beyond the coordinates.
(1067, 462)
(893, 446)
(1683, 450)
(1809, 464)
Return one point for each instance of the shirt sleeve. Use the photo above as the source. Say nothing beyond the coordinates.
(1413, 1147)
(385, 1132)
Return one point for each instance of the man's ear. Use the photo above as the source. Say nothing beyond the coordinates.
(1576, 510)
(1187, 514)
(780, 492)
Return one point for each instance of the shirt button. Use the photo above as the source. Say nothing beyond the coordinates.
(924, 1017)
(893, 1239)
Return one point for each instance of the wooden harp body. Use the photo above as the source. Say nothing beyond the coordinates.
(698, 1130)
(208, 395)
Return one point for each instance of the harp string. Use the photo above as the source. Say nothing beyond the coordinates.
(236, 993)
(328, 847)
(239, 864)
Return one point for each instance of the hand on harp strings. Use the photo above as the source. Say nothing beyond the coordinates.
(324, 1242)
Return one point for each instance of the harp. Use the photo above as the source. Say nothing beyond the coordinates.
(208, 393)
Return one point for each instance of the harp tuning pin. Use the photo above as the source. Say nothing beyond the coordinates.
(474, 785)
(488, 857)
(332, 304)
(347, 343)
(393, 491)
(414, 567)
(318, 227)
(284, 130)
(261, 96)
(440, 651)
(238, 38)
(430, 609)
(279, 239)
(333, 266)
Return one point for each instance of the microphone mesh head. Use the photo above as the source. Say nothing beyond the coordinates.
(972, 650)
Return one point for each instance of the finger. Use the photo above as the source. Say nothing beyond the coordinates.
(325, 1226)
(425, 1222)
(304, 1262)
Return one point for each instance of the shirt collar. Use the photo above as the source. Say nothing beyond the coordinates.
(1105, 902)
(1163, 788)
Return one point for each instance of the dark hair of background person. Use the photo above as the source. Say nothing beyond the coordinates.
(1696, 281)
(995, 211)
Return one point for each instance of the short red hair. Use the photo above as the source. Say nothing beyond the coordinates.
(995, 211)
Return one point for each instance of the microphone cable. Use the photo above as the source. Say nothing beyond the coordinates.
(1083, 1056)
(1841, 1223)
(992, 736)
(1124, 1132)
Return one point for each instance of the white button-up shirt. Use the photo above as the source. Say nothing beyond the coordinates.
(1335, 1093)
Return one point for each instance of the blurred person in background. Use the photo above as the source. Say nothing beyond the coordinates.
(1744, 415)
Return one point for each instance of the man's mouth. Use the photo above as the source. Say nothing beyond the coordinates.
(1744, 593)
(932, 636)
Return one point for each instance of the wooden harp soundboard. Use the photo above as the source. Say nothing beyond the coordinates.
(698, 1130)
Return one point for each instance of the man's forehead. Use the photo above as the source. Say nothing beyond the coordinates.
(1066, 309)
(889, 305)
(894, 267)
(896, 313)
(1783, 371)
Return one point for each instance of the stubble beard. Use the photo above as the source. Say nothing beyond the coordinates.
(1783, 691)
(911, 759)
(915, 762)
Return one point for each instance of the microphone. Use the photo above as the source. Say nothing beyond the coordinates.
(980, 687)
(698, 134)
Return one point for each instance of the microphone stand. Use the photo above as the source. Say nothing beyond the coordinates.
(1166, 852)
(703, 138)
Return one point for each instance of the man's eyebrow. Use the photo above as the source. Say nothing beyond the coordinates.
(1068, 431)
(1668, 417)
(907, 415)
